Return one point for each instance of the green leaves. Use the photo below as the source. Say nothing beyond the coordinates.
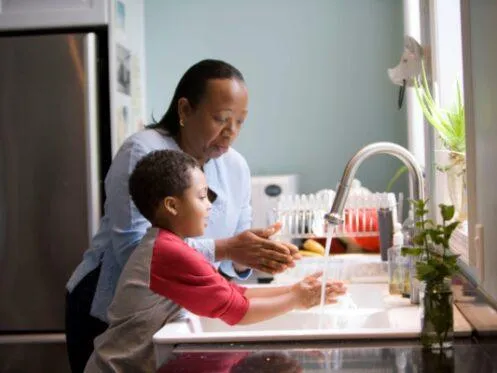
(447, 211)
(435, 270)
(420, 209)
(413, 251)
(449, 124)
(449, 229)
(395, 177)
(431, 243)
(425, 270)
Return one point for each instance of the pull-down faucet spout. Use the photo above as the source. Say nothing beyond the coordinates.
(416, 183)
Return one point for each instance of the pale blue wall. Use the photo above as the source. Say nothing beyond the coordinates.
(316, 72)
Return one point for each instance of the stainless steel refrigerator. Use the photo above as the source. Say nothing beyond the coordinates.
(54, 150)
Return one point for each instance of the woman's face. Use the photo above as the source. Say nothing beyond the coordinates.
(210, 128)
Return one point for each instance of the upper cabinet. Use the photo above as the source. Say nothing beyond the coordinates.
(45, 14)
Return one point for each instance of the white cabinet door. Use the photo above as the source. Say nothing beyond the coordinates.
(479, 28)
(36, 14)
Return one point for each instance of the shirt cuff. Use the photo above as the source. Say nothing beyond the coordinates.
(226, 266)
(204, 246)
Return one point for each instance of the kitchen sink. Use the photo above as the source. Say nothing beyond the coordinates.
(367, 311)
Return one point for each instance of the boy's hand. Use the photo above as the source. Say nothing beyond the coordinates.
(308, 291)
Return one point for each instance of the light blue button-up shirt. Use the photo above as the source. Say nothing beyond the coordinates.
(122, 226)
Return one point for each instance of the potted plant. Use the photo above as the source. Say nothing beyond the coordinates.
(450, 128)
(435, 265)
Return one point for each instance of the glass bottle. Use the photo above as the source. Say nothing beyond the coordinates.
(408, 231)
(396, 262)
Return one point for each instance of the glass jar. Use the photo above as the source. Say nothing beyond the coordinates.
(437, 314)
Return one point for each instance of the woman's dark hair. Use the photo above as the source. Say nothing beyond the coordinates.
(192, 86)
(159, 174)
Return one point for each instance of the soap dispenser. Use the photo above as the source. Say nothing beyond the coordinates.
(397, 263)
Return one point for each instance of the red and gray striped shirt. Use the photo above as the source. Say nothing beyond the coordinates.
(163, 277)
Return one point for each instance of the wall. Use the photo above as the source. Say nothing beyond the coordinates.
(127, 69)
(316, 71)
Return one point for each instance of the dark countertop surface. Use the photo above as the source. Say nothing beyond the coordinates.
(477, 354)
(382, 356)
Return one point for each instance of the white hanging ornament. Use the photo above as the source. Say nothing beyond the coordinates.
(409, 66)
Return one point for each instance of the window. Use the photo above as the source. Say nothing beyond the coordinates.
(437, 24)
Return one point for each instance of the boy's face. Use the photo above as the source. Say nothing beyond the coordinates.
(194, 206)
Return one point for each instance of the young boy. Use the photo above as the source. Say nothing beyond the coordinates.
(164, 276)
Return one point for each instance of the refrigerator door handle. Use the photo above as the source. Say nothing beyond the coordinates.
(92, 128)
(33, 338)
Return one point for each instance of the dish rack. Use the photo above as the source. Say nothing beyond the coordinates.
(302, 216)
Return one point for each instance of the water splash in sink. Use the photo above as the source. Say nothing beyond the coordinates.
(345, 301)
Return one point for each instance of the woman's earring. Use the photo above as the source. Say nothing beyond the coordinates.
(181, 123)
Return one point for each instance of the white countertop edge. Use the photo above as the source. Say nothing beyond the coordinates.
(291, 335)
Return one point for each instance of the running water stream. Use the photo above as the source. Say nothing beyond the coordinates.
(324, 277)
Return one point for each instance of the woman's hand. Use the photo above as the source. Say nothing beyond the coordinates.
(308, 291)
(253, 248)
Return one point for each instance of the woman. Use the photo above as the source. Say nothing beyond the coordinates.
(205, 116)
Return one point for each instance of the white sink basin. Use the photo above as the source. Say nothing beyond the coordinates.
(367, 311)
(365, 306)
(300, 321)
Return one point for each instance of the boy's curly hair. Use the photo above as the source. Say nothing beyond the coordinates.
(159, 174)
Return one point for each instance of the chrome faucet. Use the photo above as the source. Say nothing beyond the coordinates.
(416, 184)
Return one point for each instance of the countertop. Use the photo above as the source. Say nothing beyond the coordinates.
(384, 356)
(475, 354)
(478, 309)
